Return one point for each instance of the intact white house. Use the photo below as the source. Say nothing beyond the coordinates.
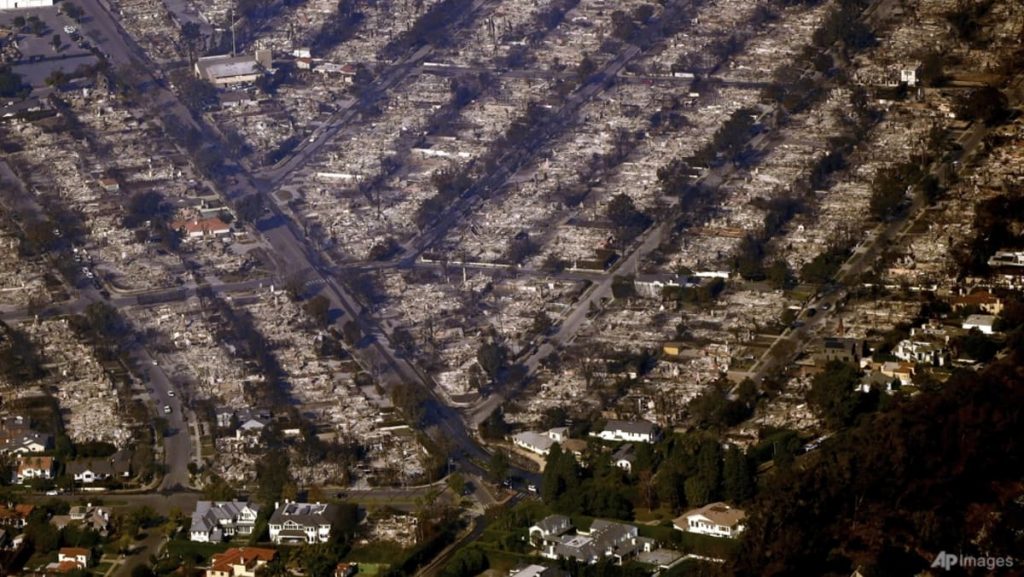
(556, 538)
(74, 556)
(714, 519)
(213, 521)
(540, 443)
(634, 431)
(30, 442)
(983, 323)
(88, 471)
(295, 523)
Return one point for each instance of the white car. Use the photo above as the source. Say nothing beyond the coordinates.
(167, 409)
(170, 393)
(70, 29)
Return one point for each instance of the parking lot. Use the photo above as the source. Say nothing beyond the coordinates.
(39, 57)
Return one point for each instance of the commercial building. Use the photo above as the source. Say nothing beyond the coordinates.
(228, 70)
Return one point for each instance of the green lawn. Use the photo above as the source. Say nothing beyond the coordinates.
(707, 546)
(802, 292)
(689, 568)
(191, 550)
(376, 553)
(661, 514)
(371, 569)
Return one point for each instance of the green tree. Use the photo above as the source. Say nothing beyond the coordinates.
(457, 483)
(217, 489)
(626, 218)
(351, 333)
(780, 276)
(698, 491)
(833, 395)
(933, 69)
(561, 477)
(251, 208)
(319, 560)
(552, 417)
(491, 355)
(196, 94)
(319, 309)
(10, 83)
(709, 466)
(146, 206)
(976, 346)
(466, 562)
(623, 27)
(494, 426)
(191, 37)
(20, 360)
(749, 257)
(988, 105)
(738, 476)
(71, 10)
(104, 320)
(542, 323)
(57, 78)
(669, 485)
(43, 536)
(272, 476)
(889, 192)
(498, 465)
(586, 68)
(824, 266)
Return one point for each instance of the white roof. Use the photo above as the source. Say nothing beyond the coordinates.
(980, 320)
(533, 439)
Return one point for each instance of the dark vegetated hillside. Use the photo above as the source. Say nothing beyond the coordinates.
(940, 471)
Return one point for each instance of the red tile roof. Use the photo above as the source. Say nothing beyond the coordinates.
(204, 226)
(247, 556)
(68, 566)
